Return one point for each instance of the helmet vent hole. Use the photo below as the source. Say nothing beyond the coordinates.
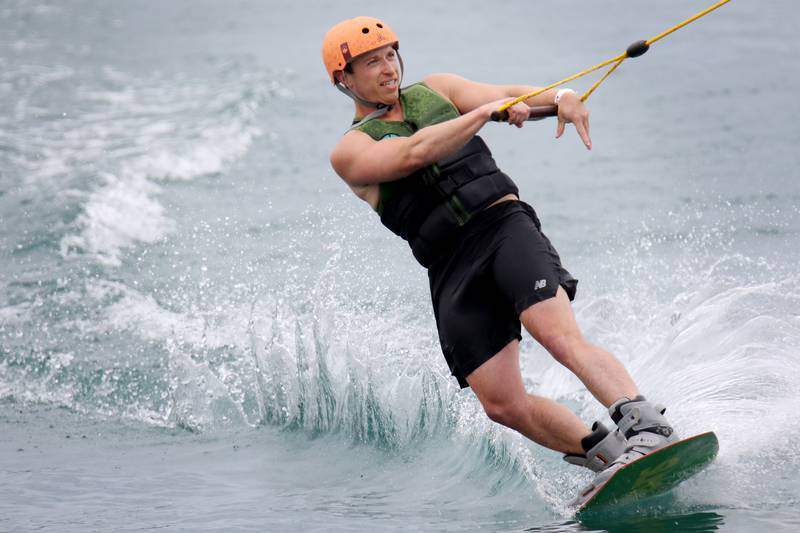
(364, 30)
(379, 25)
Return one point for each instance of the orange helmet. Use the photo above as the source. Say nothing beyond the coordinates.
(353, 37)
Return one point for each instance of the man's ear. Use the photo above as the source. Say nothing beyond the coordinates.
(341, 77)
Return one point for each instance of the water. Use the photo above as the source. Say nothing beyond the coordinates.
(201, 329)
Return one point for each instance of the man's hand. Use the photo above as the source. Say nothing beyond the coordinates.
(517, 113)
(571, 110)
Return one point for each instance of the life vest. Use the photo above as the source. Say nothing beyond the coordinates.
(427, 207)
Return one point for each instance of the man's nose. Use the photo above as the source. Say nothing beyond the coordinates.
(388, 66)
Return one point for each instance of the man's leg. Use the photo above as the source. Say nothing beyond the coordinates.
(552, 323)
(498, 385)
(641, 423)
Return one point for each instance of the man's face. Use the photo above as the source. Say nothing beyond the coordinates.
(375, 75)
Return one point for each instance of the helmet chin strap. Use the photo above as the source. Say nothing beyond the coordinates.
(380, 108)
(354, 96)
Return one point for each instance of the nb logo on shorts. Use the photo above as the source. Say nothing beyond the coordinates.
(541, 284)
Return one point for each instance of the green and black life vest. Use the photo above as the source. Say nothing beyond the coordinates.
(427, 207)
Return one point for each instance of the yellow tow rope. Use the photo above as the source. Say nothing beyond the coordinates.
(635, 50)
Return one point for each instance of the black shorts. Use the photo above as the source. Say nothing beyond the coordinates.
(500, 264)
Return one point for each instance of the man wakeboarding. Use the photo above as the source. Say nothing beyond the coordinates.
(413, 155)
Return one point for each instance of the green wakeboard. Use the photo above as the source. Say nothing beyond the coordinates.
(653, 474)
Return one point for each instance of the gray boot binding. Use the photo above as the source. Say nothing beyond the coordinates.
(602, 448)
(643, 425)
(642, 429)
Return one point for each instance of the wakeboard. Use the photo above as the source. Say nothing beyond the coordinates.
(651, 475)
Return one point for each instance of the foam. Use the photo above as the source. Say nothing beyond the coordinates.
(134, 311)
(217, 146)
(125, 212)
(15, 314)
(117, 216)
(128, 134)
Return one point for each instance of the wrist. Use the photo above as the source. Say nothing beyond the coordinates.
(560, 94)
(487, 111)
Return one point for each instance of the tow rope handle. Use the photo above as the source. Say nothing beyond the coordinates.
(634, 50)
(536, 113)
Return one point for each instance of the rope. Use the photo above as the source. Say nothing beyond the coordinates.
(635, 50)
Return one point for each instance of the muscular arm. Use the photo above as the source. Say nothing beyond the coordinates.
(466, 95)
(360, 160)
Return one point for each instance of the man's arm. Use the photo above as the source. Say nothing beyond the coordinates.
(360, 160)
(467, 95)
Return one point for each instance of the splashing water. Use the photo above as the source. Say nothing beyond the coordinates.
(181, 270)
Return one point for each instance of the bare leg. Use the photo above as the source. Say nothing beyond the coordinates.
(552, 323)
(498, 385)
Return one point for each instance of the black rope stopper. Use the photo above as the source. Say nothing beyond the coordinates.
(637, 49)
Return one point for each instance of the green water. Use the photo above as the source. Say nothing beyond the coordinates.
(202, 329)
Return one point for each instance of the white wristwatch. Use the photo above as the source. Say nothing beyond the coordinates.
(560, 93)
